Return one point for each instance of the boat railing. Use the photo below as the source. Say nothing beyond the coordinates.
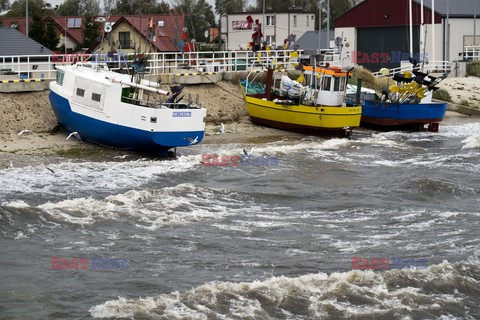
(159, 104)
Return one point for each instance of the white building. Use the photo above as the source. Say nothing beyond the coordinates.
(236, 31)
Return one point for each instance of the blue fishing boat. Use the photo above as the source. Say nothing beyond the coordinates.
(405, 105)
(413, 116)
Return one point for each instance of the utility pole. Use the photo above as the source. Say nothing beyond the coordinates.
(263, 22)
(26, 17)
(474, 29)
(319, 26)
(328, 24)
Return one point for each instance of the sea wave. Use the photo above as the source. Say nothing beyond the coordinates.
(151, 209)
(472, 142)
(442, 290)
(71, 178)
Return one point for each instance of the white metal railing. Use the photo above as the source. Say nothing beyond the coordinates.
(26, 67)
(430, 67)
(471, 52)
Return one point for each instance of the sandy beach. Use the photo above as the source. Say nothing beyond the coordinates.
(32, 112)
(224, 103)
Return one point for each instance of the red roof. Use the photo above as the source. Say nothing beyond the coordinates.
(166, 36)
(381, 13)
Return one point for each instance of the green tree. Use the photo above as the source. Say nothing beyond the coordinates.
(90, 32)
(79, 8)
(229, 6)
(51, 39)
(18, 8)
(37, 30)
(337, 8)
(203, 19)
(134, 6)
(4, 5)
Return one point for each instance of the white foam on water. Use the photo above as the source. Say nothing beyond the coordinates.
(472, 142)
(70, 178)
(151, 209)
(320, 295)
(16, 204)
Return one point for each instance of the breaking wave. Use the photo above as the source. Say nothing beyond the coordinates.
(443, 290)
(149, 209)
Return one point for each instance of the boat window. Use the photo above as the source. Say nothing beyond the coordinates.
(326, 83)
(80, 92)
(336, 85)
(96, 97)
(342, 83)
(59, 77)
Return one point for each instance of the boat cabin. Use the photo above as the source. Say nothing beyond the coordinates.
(325, 85)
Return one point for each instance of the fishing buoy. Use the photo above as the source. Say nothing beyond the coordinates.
(385, 71)
(394, 89)
(294, 59)
(108, 27)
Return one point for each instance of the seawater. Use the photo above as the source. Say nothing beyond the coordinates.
(250, 242)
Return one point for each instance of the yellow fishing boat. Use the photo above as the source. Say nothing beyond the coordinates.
(315, 104)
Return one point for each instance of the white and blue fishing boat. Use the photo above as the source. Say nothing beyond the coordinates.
(123, 111)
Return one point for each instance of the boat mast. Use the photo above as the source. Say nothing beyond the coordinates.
(421, 27)
(411, 27)
(433, 30)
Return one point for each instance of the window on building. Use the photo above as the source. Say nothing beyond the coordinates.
(295, 20)
(270, 20)
(270, 40)
(80, 92)
(59, 77)
(74, 23)
(326, 83)
(124, 40)
(96, 97)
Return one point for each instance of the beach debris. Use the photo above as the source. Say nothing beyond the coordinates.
(75, 134)
(121, 157)
(24, 132)
(192, 141)
(248, 153)
(222, 128)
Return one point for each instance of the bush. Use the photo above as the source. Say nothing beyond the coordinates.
(442, 94)
(473, 69)
(464, 103)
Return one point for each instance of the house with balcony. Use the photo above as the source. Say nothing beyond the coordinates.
(236, 29)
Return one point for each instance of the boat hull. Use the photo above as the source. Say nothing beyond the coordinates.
(397, 116)
(115, 135)
(317, 120)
